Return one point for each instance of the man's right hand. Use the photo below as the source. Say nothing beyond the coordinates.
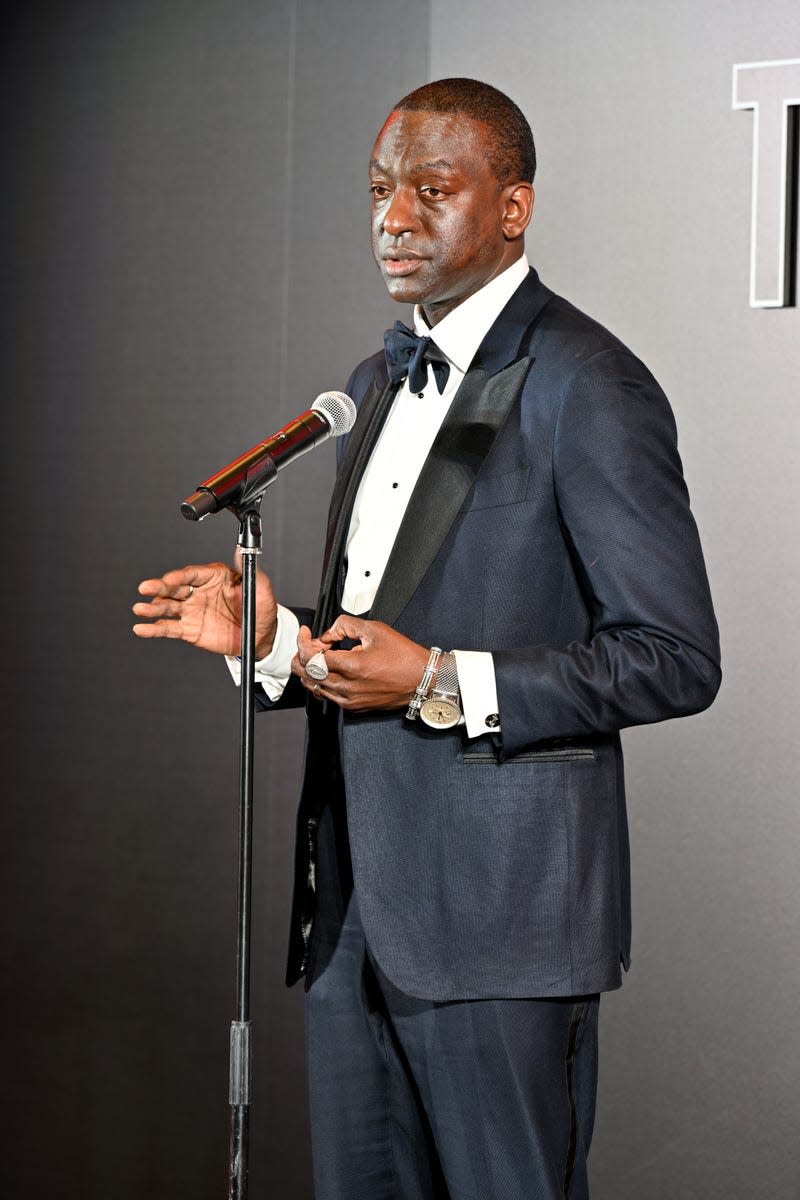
(202, 605)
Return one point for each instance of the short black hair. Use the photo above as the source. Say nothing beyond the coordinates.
(513, 154)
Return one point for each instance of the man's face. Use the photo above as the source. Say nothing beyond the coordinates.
(439, 214)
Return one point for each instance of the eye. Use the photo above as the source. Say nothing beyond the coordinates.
(379, 190)
(432, 191)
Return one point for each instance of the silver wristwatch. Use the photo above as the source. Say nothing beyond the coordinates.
(442, 708)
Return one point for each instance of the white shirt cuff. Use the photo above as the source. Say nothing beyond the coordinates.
(478, 687)
(273, 671)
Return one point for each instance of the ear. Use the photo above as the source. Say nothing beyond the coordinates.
(518, 209)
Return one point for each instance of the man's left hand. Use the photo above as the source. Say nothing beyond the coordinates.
(381, 671)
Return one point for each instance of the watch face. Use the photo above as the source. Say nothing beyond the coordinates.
(440, 713)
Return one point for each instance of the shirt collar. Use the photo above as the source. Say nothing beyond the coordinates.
(461, 332)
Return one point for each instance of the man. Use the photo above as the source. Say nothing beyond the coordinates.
(515, 499)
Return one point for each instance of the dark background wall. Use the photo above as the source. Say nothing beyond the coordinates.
(185, 267)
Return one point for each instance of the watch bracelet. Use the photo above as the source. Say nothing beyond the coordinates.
(446, 681)
(424, 684)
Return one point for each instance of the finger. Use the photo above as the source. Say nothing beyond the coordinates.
(196, 575)
(157, 587)
(159, 629)
(345, 626)
(180, 580)
(306, 645)
(298, 665)
(173, 581)
(151, 587)
(315, 686)
(343, 665)
(304, 650)
(158, 608)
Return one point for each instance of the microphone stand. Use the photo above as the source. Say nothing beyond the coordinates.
(247, 510)
(244, 482)
(249, 541)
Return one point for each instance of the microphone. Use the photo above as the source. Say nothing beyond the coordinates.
(243, 480)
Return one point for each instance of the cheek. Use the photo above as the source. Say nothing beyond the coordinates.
(472, 242)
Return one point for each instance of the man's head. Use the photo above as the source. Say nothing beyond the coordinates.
(512, 154)
(450, 178)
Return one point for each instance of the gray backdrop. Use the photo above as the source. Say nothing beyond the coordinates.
(184, 206)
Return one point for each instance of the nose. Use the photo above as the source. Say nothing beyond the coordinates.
(400, 215)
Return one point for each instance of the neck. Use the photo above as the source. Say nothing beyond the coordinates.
(436, 312)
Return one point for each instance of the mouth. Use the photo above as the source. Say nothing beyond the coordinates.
(400, 262)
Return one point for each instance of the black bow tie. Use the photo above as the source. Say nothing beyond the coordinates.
(407, 354)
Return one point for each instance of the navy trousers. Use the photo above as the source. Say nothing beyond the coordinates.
(417, 1100)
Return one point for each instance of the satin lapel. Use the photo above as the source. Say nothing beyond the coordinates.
(372, 413)
(476, 416)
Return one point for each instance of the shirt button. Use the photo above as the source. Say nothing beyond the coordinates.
(367, 572)
(394, 485)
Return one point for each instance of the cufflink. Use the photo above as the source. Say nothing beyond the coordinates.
(492, 721)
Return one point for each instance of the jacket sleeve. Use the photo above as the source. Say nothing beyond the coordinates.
(624, 511)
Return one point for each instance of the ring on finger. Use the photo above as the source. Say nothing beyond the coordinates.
(316, 666)
(316, 689)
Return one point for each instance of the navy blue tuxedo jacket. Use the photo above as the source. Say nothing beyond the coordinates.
(551, 526)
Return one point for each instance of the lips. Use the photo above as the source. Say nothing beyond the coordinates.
(399, 267)
(401, 262)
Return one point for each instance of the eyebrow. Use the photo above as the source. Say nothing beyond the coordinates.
(439, 164)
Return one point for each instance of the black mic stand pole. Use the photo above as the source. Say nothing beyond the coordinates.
(241, 1054)
(250, 484)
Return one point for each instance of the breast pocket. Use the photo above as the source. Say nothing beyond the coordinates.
(493, 491)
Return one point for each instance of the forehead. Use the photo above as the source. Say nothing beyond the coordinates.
(413, 140)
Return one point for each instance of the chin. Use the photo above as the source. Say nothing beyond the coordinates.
(400, 294)
(404, 291)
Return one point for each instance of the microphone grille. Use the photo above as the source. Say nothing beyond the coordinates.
(339, 411)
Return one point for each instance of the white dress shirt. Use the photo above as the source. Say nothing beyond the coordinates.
(388, 481)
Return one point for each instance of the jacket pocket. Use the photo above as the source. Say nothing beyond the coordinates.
(496, 490)
(485, 758)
